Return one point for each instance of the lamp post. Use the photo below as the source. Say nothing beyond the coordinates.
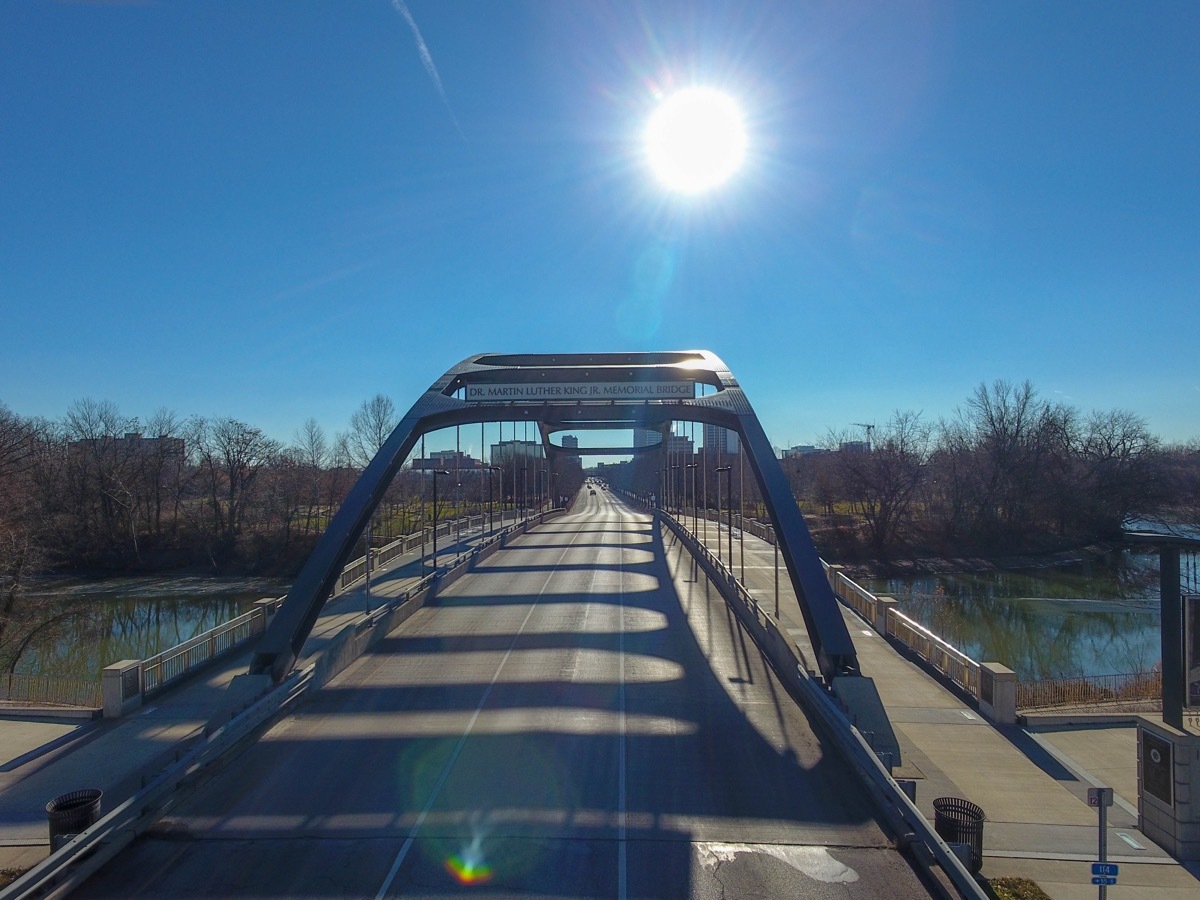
(675, 486)
(500, 471)
(728, 470)
(491, 497)
(436, 473)
(693, 467)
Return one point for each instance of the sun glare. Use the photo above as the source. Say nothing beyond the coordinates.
(695, 140)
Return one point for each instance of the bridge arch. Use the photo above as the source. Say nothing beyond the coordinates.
(575, 390)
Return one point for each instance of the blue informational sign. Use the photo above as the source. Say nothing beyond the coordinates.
(1109, 869)
(1103, 880)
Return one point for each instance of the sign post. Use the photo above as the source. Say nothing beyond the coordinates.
(1104, 873)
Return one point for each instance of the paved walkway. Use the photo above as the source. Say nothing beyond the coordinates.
(1030, 782)
(46, 756)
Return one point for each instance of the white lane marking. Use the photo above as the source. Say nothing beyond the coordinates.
(462, 741)
(868, 632)
(622, 847)
(965, 714)
(1130, 841)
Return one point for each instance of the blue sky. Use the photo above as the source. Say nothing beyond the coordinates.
(275, 210)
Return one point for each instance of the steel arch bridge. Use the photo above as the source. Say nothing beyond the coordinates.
(571, 391)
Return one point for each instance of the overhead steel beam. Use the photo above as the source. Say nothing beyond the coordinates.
(613, 390)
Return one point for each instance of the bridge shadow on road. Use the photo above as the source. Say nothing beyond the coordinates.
(565, 730)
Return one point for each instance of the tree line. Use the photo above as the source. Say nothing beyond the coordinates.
(98, 489)
(1008, 472)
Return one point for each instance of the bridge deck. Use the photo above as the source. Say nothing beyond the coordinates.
(580, 717)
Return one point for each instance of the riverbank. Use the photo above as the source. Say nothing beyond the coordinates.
(959, 565)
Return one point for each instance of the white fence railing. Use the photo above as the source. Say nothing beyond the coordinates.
(162, 669)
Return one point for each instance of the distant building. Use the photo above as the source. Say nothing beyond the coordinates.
(721, 440)
(570, 441)
(507, 451)
(447, 461)
(801, 450)
(679, 444)
(854, 447)
(646, 437)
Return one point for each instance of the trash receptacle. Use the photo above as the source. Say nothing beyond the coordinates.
(959, 821)
(72, 813)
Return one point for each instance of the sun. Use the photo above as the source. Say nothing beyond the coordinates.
(695, 140)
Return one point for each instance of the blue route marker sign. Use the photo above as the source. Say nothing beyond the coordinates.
(1104, 880)
(1107, 869)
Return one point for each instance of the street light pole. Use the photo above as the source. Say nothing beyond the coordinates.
(728, 470)
(491, 497)
(693, 467)
(436, 473)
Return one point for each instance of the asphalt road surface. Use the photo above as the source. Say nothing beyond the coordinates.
(581, 717)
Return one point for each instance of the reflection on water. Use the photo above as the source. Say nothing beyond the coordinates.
(1100, 617)
(89, 624)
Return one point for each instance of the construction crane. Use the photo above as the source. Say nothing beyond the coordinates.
(870, 429)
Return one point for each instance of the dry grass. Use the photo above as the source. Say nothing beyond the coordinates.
(8, 876)
(1011, 888)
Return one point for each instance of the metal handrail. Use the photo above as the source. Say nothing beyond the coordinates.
(173, 663)
(49, 690)
(943, 656)
(1088, 690)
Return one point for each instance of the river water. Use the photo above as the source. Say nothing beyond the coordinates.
(1099, 617)
(90, 624)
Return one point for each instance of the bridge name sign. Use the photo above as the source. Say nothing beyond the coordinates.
(593, 390)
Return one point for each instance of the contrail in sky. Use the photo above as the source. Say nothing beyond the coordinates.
(427, 60)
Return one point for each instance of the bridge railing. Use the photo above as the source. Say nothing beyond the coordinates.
(944, 657)
(878, 611)
(163, 669)
(1132, 692)
(16, 689)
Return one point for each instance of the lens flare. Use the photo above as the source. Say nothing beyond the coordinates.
(467, 870)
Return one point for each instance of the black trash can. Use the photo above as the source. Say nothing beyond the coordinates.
(72, 813)
(959, 821)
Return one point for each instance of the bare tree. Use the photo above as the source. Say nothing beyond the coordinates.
(312, 455)
(881, 482)
(231, 455)
(1125, 471)
(21, 553)
(370, 426)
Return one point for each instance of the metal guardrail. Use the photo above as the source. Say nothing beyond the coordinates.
(49, 690)
(1142, 690)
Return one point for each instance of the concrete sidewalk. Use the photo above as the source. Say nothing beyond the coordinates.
(1030, 782)
(44, 757)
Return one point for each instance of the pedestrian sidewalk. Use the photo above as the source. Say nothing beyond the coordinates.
(1030, 782)
(44, 757)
